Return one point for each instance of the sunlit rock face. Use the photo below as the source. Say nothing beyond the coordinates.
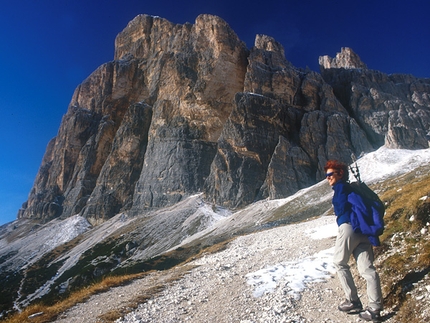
(393, 110)
(188, 108)
(283, 128)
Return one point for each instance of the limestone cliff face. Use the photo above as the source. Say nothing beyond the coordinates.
(75, 157)
(184, 109)
(284, 127)
(192, 73)
(393, 110)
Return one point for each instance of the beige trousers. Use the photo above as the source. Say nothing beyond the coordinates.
(349, 243)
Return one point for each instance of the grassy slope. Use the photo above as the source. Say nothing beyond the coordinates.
(404, 257)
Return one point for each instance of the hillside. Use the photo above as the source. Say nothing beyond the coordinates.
(402, 179)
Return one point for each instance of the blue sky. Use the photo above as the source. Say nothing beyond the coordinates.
(48, 47)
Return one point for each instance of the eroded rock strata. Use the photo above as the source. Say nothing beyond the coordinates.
(184, 109)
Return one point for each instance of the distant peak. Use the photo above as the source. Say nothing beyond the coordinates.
(268, 43)
(347, 58)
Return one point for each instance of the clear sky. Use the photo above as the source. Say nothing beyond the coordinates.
(48, 47)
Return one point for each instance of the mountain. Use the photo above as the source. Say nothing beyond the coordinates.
(188, 138)
(185, 109)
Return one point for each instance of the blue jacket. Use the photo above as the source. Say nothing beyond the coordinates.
(349, 207)
(342, 208)
(365, 218)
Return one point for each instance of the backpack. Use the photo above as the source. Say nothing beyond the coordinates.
(369, 210)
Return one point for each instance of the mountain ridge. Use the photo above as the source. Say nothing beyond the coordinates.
(184, 109)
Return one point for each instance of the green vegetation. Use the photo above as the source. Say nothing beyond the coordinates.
(9, 282)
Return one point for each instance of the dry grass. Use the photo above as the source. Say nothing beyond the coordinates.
(409, 313)
(40, 313)
(43, 313)
(405, 254)
(402, 195)
(404, 257)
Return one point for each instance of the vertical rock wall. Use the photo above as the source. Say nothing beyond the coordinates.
(185, 109)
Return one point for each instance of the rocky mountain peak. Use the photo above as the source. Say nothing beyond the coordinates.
(268, 43)
(345, 59)
(186, 109)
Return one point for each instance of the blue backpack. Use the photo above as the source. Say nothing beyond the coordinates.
(367, 209)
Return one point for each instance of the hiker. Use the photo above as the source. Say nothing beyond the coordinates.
(350, 243)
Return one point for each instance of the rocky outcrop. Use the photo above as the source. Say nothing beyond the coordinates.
(122, 167)
(393, 110)
(346, 59)
(69, 171)
(185, 109)
(193, 73)
(282, 130)
(187, 76)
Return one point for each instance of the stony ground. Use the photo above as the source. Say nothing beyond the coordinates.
(214, 288)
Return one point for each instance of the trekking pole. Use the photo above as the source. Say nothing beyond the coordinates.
(355, 170)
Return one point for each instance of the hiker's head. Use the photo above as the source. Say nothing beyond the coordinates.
(336, 171)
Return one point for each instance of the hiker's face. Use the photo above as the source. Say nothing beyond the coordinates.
(333, 176)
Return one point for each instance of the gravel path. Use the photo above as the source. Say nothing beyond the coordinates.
(215, 288)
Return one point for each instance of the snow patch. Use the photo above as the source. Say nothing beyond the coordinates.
(326, 231)
(66, 231)
(296, 274)
(378, 165)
